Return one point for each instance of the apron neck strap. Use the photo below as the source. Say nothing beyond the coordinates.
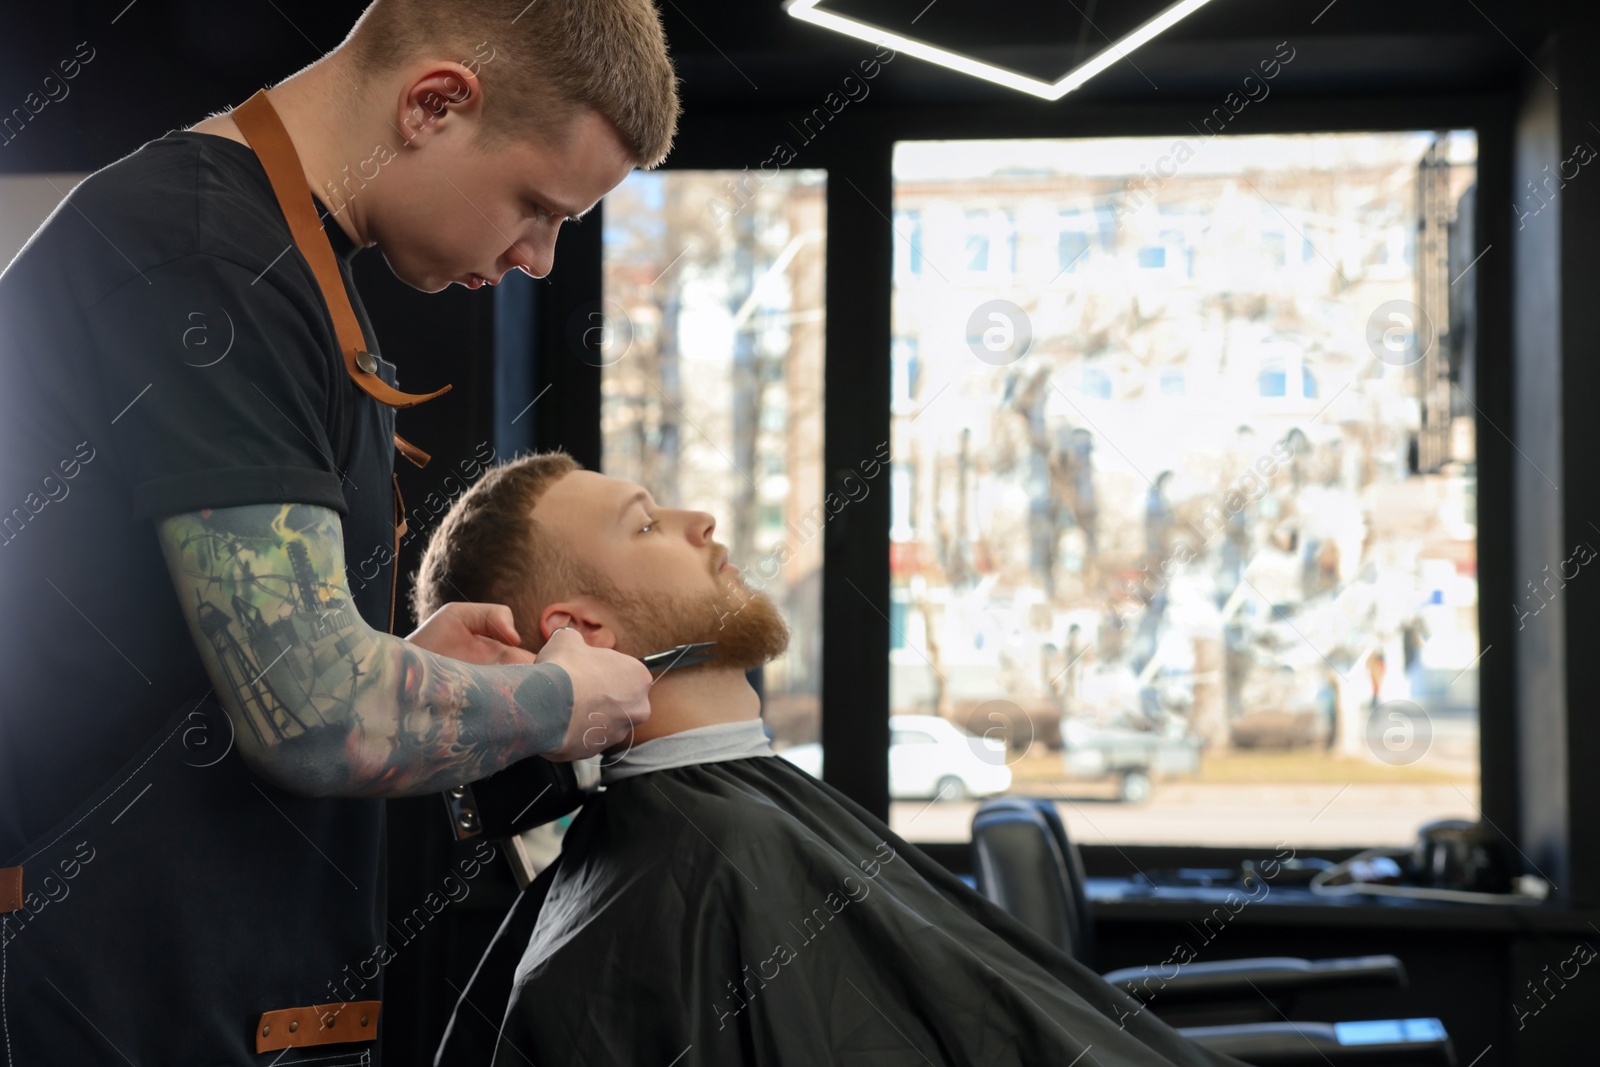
(258, 120)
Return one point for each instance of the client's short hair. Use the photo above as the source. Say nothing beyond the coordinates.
(489, 548)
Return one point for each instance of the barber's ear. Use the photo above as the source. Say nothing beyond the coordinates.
(430, 97)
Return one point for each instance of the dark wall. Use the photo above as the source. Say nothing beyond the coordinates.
(1537, 288)
(1579, 220)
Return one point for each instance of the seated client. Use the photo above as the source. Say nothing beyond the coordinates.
(714, 904)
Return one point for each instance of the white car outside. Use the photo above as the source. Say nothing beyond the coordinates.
(929, 757)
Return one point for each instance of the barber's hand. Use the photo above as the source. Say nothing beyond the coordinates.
(474, 633)
(610, 694)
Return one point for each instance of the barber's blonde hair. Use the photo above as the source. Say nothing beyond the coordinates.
(550, 58)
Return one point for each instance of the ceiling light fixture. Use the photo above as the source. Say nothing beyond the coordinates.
(807, 11)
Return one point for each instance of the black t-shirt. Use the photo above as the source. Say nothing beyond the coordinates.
(163, 348)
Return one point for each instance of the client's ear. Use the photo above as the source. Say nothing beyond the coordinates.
(593, 630)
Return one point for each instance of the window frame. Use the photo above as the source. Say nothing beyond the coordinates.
(859, 269)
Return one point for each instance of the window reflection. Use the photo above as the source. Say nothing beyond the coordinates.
(712, 383)
(1182, 502)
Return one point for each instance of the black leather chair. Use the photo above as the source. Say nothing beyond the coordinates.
(1025, 863)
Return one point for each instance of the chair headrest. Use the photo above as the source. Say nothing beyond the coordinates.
(1019, 866)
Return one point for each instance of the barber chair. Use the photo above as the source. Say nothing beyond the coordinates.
(1024, 862)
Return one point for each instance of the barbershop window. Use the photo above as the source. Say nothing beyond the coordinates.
(713, 285)
(1183, 498)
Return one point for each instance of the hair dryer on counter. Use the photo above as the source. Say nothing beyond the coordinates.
(1452, 860)
(1461, 855)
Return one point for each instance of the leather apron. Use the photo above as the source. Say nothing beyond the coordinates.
(189, 912)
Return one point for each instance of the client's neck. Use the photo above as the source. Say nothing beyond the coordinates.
(697, 696)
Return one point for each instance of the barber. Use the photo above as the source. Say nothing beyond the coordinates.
(202, 699)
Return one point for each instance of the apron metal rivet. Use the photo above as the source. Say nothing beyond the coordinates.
(329, 1020)
(366, 361)
(265, 1030)
(363, 1020)
(294, 1024)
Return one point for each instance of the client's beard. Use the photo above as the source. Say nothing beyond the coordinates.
(745, 623)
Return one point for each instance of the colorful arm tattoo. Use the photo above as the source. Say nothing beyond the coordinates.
(323, 704)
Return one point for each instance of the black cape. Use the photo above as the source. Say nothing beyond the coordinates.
(742, 912)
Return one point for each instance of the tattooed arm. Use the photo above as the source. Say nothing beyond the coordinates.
(323, 704)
